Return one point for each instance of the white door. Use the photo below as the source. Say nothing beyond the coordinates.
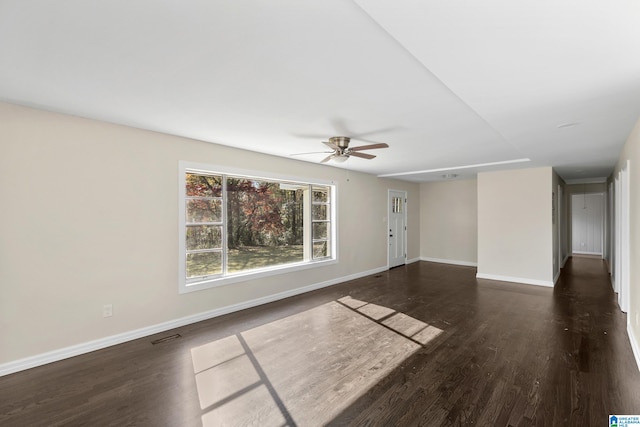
(558, 220)
(618, 246)
(587, 224)
(612, 233)
(397, 228)
(625, 270)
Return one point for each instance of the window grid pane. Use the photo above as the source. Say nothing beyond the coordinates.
(204, 264)
(204, 237)
(199, 185)
(204, 211)
(321, 222)
(396, 205)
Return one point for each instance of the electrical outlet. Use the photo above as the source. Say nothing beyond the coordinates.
(107, 310)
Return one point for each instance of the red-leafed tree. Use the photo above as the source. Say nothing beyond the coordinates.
(258, 213)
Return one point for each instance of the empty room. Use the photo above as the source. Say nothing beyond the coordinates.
(319, 213)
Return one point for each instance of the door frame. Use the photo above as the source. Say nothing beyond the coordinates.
(404, 213)
(622, 275)
(559, 212)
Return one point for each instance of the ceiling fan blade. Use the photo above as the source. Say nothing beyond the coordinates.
(311, 152)
(370, 147)
(309, 135)
(374, 132)
(362, 155)
(340, 126)
(330, 145)
(326, 159)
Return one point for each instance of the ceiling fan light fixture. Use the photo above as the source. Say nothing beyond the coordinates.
(340, 150)
(340, 141)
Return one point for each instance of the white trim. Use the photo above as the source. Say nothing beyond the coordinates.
(449, 261)
(248, 173)
(186, 286)
(557, 276)
(257, 274)
(564, 261)
(477, 165)
(86, 347)
(412, 260)
(634, 343)
(587, 253)
(515, 280)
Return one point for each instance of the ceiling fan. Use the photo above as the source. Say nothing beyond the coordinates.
(341, 150)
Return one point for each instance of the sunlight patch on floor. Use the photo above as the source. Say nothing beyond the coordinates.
(406, 326)
(254, 408)
(304, 369)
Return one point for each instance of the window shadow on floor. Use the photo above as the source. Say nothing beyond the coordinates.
(306, 368)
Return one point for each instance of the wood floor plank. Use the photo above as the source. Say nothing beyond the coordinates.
(425, 344)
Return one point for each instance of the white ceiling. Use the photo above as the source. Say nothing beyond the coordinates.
(447, 84)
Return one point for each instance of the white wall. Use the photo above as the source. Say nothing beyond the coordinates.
(89, 216)
(449, 221)
(631, 152)
(515, 234)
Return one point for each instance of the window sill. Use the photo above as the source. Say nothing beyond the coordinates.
(209, 283)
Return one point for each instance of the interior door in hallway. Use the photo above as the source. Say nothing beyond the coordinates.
(587, 223)
(397, 228)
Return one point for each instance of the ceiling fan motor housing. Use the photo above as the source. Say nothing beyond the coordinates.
(340, 141)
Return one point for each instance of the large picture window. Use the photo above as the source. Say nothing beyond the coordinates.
(234, 225)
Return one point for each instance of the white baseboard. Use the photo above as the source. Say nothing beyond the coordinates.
(556, 277)
(634, 343)
(86, 347)
(564, 261)
(588, 253)
(412, 260)
(449, 261)
(514, 280)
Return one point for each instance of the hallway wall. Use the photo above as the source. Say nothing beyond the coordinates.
(631, 152)
(449, 221)
(515, 230)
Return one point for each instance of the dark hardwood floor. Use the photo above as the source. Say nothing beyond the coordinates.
(425, 344)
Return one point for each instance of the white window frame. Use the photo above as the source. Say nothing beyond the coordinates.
(191, 285)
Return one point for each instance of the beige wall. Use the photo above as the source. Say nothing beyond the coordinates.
(515, 236)
(89, 216)
(449, 221)
(631, 152)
